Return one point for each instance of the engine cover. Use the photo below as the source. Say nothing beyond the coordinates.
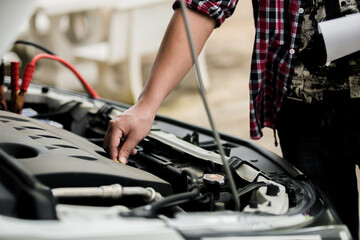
(59, 158)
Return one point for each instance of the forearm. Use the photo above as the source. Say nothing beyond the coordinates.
(174, 57)
(173, 61)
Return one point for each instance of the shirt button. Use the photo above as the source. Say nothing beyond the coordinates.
(291, 51)
(301, 10)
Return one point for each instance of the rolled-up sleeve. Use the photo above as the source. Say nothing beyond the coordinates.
(217, 9)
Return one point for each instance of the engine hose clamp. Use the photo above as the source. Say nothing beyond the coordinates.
(152, 196)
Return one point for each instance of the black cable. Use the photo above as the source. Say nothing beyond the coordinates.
(2, 72)
(178, 198)
(251, 187)
(34, 45)
(3, 104)
(173, 200)
(151, 209)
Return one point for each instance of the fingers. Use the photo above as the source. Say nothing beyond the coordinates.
(127, 148)
(112, 140)
(120, 143)
(125, 131)
(134, 151)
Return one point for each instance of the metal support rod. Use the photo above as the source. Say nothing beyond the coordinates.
(202, 93)
(115, 191)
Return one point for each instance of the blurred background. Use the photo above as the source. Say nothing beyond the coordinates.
(112, 43)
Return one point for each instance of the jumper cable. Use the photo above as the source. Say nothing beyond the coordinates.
(18, 94)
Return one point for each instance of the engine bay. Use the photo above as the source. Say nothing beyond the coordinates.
(60, 145)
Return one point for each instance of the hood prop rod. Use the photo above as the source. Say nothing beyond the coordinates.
(202, 93)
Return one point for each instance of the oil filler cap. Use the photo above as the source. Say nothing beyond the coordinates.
(214, 179)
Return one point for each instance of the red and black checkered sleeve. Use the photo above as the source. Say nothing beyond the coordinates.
(218, 9)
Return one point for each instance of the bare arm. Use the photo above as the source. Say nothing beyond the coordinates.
(172, 63)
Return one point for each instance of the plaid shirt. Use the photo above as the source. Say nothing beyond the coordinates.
(278, 30)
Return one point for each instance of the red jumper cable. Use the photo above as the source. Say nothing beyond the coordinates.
(18, 97)
(30, 68)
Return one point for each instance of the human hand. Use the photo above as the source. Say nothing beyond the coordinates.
(125, 132)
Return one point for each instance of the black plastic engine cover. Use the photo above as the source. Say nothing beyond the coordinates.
(59, 158)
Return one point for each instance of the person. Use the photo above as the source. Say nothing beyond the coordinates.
(292, 90)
